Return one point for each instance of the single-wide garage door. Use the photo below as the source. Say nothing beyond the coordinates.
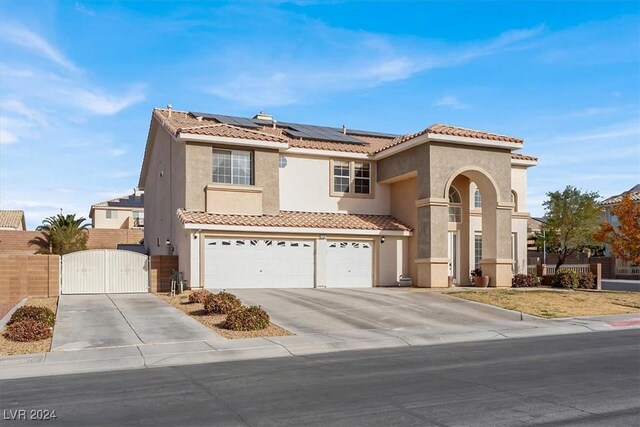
(102, 271)
(258, 263)
(349, 264)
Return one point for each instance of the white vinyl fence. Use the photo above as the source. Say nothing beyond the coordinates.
(104, 271)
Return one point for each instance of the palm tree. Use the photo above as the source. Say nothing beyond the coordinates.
(62, 234)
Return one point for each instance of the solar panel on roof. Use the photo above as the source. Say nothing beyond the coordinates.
(230, 120)
(322, 133)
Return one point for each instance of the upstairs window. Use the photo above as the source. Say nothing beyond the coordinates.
(341, 179)
(112, 214)
(351, 178)
(232, 167)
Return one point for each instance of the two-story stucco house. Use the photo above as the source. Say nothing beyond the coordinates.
(255, 202)
(123, 212)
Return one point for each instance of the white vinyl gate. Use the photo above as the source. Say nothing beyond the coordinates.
(105, 271)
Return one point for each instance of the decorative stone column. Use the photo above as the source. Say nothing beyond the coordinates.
(498, 264)
(432, 261)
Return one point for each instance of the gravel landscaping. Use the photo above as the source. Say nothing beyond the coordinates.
(214, 321)
(557, 304)
(8, 347)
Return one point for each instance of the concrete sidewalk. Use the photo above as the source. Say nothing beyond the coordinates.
(207, 351)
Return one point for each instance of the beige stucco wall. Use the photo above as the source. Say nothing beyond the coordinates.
(164, 192)
(403, 207)
(437, 165)
(393, 260)
(305, 185)
(124, 219)
(199, 165)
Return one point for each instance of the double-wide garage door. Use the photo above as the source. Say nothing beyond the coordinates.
(271, 263)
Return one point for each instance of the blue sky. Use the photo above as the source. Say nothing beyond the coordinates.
(78, 82)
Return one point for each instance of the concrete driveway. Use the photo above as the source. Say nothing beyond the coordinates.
(305, 311)
(116, 320)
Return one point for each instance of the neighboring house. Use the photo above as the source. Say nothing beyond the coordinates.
(123, 212)
(255, 202)
(12, 220)
(607, 205)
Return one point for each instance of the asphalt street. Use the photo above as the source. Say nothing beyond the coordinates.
(579, 380)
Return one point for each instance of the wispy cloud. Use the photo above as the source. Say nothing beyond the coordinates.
(117, 152)
(81, 8)
(18, 35)
(343, 60)
(451, 102)
(618, 130)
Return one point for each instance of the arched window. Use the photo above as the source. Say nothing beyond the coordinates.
(514, 200)
(455, 205)
(477, 199)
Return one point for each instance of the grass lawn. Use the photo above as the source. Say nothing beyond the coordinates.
(8, 347)
(213, 321)
(554, 304)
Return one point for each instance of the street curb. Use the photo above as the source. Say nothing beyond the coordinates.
(517, 315)
(7, 317)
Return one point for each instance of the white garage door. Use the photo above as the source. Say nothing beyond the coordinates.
(258, 263)
(105, 271)
(349, 264)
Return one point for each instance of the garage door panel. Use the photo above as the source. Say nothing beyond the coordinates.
(349, 264)
(259, 263)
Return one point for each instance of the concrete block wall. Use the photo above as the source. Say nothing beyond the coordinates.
(28, 276)
(17, 242)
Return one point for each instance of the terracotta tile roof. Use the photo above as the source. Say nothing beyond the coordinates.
(450, 131)
(518, 156)
(297, 219)
(181, 121)
(130, 201)
(613, 200)
(12, 219)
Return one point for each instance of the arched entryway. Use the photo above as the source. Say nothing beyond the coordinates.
(478, 227)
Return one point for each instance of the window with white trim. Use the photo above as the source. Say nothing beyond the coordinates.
(351, 178)
(112, 214)
(455, 205)
(232, 167)
(477, 249)
(477, 199)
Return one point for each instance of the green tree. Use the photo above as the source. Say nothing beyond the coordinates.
(62, 234)
(571, 218)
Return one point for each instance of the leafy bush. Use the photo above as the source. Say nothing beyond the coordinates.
(198, 296)
(587, 280)
(27, 330)
(525, 281)
(247, 319)
(29, 312)
(221, 303)
(565, 279)
(476, 272)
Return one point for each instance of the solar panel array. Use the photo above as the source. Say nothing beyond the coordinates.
(321, 133)
(230, 120)
(296, 130)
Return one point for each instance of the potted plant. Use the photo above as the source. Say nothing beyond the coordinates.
(479, 280)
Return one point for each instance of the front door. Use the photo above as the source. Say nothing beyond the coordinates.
(453, 256)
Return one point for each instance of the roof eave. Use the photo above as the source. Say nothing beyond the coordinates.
(294, 230)
(184, 136)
